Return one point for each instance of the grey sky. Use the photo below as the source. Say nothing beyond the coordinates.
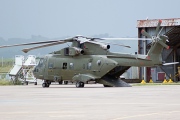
(58, 18)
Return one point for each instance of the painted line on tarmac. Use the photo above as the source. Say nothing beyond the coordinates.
(63, 116)
(144, 115)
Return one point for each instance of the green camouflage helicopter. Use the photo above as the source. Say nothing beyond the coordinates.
(89, 59)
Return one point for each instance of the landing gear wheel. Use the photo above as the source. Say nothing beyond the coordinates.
(44, 85)
(65, 82)
(47, 85)
(26, 83)
(82, 84)
(79, 84)
(35, 83)
(48, 82)
(60, 82)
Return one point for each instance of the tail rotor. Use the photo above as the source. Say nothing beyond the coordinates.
(158, 37)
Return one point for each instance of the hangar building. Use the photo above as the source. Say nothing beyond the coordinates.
(171, 28)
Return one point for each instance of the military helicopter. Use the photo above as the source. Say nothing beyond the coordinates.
(89, 59)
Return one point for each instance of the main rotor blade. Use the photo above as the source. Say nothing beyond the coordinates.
(125, 39)
(40, 42)
(114, 44)
(41, 46)
(120, 45)
(31, 43)
(158, 26)
(145, 33)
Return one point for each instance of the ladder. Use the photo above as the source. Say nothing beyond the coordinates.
(23, 69)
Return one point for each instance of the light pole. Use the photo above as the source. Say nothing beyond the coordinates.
(145, 75)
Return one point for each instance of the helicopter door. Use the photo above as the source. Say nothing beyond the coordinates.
(49, 69)
(65, 69)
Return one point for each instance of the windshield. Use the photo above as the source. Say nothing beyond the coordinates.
(40, 63)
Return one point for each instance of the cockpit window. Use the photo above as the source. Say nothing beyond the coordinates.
(41, 61)
(50, 66)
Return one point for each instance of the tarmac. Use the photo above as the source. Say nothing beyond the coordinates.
(93, 102)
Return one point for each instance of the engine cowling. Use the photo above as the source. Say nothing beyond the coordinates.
(105, 47)
(73, 51)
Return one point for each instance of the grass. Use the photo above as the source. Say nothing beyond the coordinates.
(5, 69)
(5, 82)
(5, 65)
(151, 84)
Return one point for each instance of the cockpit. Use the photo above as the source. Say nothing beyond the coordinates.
(41, 62)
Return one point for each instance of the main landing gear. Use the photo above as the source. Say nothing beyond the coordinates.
(79, 84)
(61, 82)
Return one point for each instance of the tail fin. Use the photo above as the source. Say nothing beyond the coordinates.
(156, 50)
(157, 46)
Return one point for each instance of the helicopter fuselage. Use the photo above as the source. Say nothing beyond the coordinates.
(84, 68)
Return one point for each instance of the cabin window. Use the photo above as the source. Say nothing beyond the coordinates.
(64, 65)
(89, 66)
(50, 66)
(71, 65)
(99, 62)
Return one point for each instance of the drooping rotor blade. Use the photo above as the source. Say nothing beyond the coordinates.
(31, 43)
(120, 45)
(34, 43)
(145, 33)
(114, 44)
(41, 46)
(158, 26)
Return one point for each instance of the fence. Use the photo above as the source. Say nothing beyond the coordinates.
(4, 76)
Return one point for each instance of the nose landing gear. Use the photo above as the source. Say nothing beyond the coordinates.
(46, 84)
